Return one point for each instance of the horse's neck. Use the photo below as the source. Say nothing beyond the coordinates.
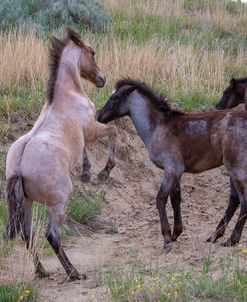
(68, 76)
(140, 115)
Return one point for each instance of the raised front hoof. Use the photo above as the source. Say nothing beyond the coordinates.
(76, 276)
(230, 242)
(103, 175)
(85, 177)
(168, 247)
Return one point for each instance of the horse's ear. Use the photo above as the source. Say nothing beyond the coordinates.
(232, 82)
(130, 89)
(74, 35)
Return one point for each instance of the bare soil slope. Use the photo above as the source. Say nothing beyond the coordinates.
(130, 203)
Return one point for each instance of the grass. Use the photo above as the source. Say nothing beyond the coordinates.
(83, 208)
(220, 282)
(187, 50)
(14, 293)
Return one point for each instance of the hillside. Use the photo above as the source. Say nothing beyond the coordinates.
(187, 50)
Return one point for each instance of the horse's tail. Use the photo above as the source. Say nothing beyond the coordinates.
(16, 207)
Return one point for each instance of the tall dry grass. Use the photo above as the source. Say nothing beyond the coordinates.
(169, 66)
(177, 67)
(23, 60)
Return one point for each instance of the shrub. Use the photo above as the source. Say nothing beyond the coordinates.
(49, 15)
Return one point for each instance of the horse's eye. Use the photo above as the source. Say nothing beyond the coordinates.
(93, 53)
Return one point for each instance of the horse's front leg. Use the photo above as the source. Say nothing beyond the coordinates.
(85, 176)
(169, 182)
(110, 131)
(176, 202)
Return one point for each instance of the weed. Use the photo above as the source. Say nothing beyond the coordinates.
(18, 292)
(82, 208)
(222, 282)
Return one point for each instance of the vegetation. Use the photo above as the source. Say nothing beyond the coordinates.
(18, 293)
(83, 208)
(185, 49)
(49, 15)
(220, 282)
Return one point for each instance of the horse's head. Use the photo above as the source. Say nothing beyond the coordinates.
(89, 70)
(230, 97)
(116, 105)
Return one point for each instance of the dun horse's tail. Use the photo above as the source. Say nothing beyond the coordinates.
(16, 207)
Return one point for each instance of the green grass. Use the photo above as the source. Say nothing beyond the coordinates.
(223, 281)
(6, 248)
(137, 28)
(185, 29)
(14, 293)
(19, 107)
(83, 208)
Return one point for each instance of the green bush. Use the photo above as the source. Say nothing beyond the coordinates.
(48, 15)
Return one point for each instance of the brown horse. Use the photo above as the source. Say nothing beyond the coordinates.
(180, 142)
(39, 163)
(234, 94)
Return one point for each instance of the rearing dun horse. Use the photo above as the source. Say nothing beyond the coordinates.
(39, 163)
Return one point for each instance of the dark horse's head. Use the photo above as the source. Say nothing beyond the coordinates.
(233, 94)
(117, 105)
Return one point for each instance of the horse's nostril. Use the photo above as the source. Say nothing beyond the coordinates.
(102, 78)
(101, 81)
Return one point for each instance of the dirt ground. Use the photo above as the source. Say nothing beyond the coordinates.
(130, 204)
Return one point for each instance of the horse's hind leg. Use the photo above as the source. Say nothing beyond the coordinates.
(176, 202)
(231, 209)
(28, 236)
(53, 235)
(85, 176)
(236, 234)
(110, 131)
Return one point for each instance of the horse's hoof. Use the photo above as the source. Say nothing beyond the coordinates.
(43, 274)
(168, 247)
(229, 242)
(103, 175)
(214, 237)
(76, 276)
(85, 177)
(210, 239)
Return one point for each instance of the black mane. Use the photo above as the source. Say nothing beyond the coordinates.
(157, 99)
(240, 80)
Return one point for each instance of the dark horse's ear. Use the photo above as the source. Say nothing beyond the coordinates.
(74, 35)
(232, 82)
(130, 89)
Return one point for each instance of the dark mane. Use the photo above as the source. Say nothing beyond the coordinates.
(241, 80)
(157, 99)
(55, 53)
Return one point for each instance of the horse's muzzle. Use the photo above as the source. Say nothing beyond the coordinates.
(100, 81)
